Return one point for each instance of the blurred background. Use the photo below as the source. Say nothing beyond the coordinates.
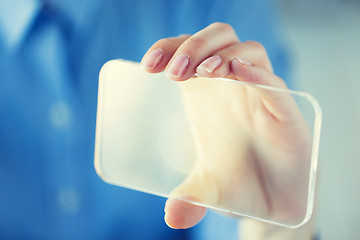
(324, 40)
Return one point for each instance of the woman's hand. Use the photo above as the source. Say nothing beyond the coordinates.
(253, 145)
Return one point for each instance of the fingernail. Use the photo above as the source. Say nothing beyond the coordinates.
(179, 66)
(153, 59)
(167, 221)
(210, 64)
(166, 204)
(243, 61)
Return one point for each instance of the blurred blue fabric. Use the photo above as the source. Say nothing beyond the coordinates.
(50, 54)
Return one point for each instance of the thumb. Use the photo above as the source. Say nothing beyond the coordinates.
(182, 209)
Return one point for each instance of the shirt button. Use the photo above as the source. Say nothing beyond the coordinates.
(69, 200)
(59, 114)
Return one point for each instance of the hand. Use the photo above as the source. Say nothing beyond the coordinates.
(252, 144)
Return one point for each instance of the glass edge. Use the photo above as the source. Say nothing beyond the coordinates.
(314, 157)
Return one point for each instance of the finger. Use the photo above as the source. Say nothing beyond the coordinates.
(218, 65)
(158, 55)
(280, 104)
(197, 48)
(181, 215)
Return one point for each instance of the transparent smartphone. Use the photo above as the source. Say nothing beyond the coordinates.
(217, 141)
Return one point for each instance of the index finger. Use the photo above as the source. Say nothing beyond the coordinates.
(197, 48)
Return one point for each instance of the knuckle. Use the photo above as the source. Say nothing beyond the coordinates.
(195, 43)
(185, 35)
(257, 46)
(166, 41)
(260, 53)
(162, 41)
(222, 26)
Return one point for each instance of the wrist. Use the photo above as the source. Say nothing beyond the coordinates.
(252, 229)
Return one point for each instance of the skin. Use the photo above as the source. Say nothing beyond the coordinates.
(256, 123)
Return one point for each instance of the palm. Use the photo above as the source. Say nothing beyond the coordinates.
(262, 157)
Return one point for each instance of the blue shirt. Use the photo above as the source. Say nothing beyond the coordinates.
(50, 56)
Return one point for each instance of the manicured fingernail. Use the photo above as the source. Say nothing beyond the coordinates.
(210, 64)
(179, 66)
(153, 59)
(243, 61)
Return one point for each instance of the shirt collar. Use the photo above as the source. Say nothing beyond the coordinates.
(16, 17)
(77, 12)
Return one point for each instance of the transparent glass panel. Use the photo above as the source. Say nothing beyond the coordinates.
(239, 148)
